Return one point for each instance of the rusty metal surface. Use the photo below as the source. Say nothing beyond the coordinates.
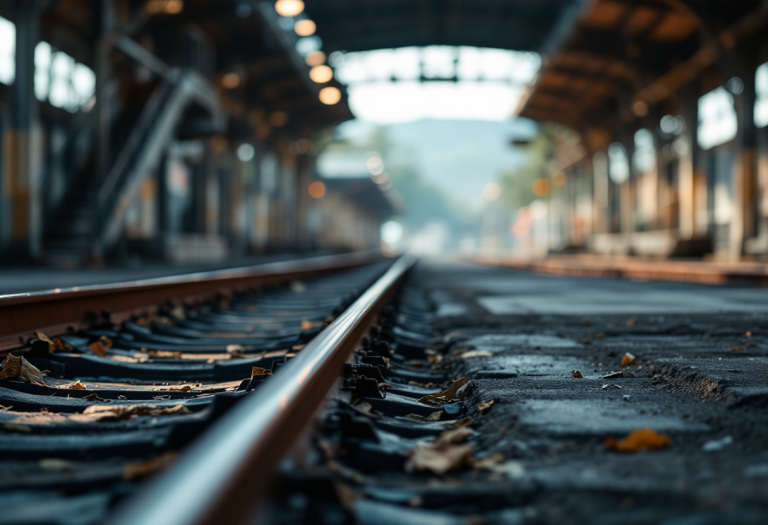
(58, 311)
(221, 477)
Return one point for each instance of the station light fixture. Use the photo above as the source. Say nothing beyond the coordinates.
(321, 74)
(317, 190)
(315, 58)
(289, 7)
(305, 27)
(330, 95)
(230, 80)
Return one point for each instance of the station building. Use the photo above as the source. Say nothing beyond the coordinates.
(664, 145)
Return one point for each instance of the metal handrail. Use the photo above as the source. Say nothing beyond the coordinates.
(222, 476)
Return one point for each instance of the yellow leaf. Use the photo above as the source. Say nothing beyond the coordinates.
(77, 385)
(639, 441)
(485, 406)
(447, 396)
(628, 359)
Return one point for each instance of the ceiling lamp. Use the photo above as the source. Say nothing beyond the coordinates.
(315, 58)
(321, 74)
(330, 95)
(289, 7)
(305, 28)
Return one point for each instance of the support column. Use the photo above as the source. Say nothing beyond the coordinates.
(103, 88)
(687, 167)
(743, 223)
(23, 144)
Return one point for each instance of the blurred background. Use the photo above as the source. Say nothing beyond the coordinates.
(146, 132)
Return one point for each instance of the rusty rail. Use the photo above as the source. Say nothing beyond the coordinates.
(222, 477)
(58, 311)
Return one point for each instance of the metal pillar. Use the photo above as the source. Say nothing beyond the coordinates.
(103, 87)
(743, 223)
(23, 144)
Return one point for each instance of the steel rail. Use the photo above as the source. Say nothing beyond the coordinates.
(224, 474)
(57, 311)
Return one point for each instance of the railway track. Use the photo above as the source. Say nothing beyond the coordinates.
(102, 387)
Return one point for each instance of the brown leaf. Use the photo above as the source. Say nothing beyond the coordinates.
(639, 441)
(106, 413)
(367, 410)
(447, 396)
(77, 385)
(631, 322)
(93, 397)
(735, 349)
(101, 346)
(235, 349)
(628, 359)
(57, 345)
(599, 335)
(163, 354)
(14, 367)
(434, 416)
(425, 456)
(258, 371)
(577, 374)
(142, 469)
(309, 325)
(181, 388)
(485, 406)
(454, 437)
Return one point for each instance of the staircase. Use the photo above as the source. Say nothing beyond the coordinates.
(89, 219)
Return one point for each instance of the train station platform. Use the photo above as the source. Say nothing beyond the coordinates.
(576, 367)
(637, 268)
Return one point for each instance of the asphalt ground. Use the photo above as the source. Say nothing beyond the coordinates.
(699, 377)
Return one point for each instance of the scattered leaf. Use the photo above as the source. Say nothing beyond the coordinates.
(57, 345)
(101, 346)
(735, 349)
(605, 386)
(639, 441)
(434, 416)
(258, 371)
(106, 413)
(599, 335)
(93, 397)
(235, 349)
(447, 396)
(748, 334)
(77, 385)
(178, 312)
(165, 397)
(485, 406)
(309, 325)
(181, 388)
(438, 460)
(631, 322)
(577, 374)
(14, 367)
(628, 359)
(366, 409)
(141, 469)
(454, 437)
(476, 353)
(163, 354)
(613, 375)
(627, 373)
(496, 464)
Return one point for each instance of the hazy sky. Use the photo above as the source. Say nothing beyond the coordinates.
(460, 156)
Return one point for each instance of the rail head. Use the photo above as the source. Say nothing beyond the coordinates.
(56, 311)
(222, 476)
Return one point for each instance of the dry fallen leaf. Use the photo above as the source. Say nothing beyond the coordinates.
(454, 437)
(735, 349)
(77, 385)
(425, 456)
(57, 345)
(258, 371)
(476, 353)
(496, 464)
(309, 325)
(14, 367)
(142, 469)
(485, 406)
(434, 416)
(106, 413)
(639, 441)
(235, 349)
(447, 396)
(577, 374)
(93, 397)
(599, 335)
(101, 346)
(163, 354)
(631, 322)
(366, 409)
(628, 359)
(181, 388)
